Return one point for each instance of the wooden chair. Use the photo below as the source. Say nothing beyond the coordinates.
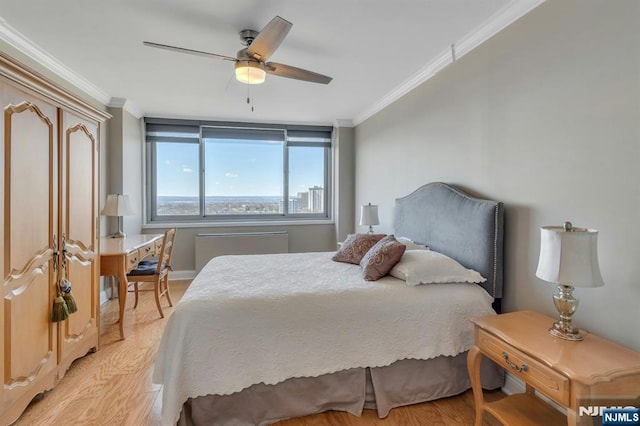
(156, 272)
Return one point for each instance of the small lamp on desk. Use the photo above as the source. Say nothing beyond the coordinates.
(117, 205)
(568, 257)
(369, 216)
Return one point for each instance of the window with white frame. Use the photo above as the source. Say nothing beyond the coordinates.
(211, 171)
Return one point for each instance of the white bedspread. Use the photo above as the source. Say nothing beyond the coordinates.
(267, 318)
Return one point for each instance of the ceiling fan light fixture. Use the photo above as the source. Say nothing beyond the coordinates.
(250, 72)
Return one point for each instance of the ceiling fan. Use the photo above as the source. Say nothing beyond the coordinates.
(251, 67)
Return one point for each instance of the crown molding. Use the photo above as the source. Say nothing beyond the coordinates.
(117, 102)
(339, 122)
(20, 42)
(127, 105)
(429, 70)
(496, 23)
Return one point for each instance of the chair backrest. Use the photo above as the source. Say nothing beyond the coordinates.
(164, 257)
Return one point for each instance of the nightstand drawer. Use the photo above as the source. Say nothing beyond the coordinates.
(526, 368)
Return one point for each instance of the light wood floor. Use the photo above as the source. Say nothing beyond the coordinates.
(113, 386)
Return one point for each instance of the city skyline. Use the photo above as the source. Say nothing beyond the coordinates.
(310, 201)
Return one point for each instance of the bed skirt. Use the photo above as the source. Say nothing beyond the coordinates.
(382, 388)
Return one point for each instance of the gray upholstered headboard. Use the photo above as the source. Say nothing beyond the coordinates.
(463, 227)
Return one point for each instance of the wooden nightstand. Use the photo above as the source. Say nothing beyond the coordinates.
(566, 372)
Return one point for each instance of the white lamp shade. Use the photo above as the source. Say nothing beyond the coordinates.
(117, 205)
(569, 257)
(369, 215)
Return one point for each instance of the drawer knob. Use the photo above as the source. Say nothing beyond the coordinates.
(523, 367)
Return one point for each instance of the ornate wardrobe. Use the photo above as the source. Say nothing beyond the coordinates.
(49, 173)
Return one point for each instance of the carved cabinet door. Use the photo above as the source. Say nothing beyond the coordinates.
(29, 241)
(78, 228)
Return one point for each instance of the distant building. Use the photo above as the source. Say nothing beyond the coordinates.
(316, 199)
(293, 206)
(303, 201)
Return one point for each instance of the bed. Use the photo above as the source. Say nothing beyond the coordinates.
(257, 339)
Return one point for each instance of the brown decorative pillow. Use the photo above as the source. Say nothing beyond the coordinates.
(381, 258)
(355, 247)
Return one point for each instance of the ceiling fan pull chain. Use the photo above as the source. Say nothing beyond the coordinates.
(249, 100)
(248, 94)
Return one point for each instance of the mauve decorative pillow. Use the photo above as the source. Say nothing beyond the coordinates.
(355, 247)
(381, 258)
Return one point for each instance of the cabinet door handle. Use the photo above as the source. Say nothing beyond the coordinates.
(523, 367)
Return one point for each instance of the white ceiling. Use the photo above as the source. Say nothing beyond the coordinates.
(375, 50)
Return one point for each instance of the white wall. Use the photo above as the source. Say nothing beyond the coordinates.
(124, 167)
(111, 156)
(545, 117)
(132, 169)
(343, 174)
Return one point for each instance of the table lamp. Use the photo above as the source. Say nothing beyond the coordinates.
(369, 216)
(117, 205)
(569, 258)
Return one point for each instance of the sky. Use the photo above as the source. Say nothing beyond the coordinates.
(237, 168)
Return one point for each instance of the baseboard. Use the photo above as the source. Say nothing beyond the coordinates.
(182, 275)
(512, 385)
(104, 297)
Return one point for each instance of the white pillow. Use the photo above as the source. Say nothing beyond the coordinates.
(410, 244)
(428, 266)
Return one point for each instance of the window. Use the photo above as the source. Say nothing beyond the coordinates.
(199, 171)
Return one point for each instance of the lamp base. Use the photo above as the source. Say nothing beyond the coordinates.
(119, 234)
(567, 333)
(566, 305)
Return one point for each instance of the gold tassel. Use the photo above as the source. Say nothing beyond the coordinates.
(70, 301)
(60, 310)
(65, 289)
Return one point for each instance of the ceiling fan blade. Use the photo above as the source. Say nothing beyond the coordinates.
(297, 73)
(268, 40)
(189, 51)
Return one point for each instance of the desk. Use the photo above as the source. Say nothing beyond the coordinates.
(120, 255)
